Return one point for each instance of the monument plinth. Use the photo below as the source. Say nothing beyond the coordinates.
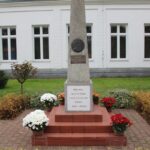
(78, 87)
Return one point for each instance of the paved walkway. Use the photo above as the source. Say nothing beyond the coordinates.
(14, 137)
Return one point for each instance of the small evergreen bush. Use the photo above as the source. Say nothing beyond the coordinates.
(12, 104)
(3, 79)
(124, 98)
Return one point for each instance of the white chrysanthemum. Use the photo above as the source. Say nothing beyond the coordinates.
(34, 119)
(48, 97)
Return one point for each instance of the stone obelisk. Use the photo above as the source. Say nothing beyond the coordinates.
(78, 87)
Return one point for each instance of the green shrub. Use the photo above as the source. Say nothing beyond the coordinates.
(35, 102)
(124, 98)
(3, 79)
(143, 103)
(11, 105)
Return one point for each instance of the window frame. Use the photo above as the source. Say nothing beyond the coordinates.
(118, 34)
(41, 36)
(8, 37)
(88, 34)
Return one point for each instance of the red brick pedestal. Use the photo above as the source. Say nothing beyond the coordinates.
(79, 129)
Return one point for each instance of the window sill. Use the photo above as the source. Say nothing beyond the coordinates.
(41, 61)
(146, 59)
(119, 60)
(91, 60)
(8, 61)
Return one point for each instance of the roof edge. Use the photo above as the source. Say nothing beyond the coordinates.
(18, 3)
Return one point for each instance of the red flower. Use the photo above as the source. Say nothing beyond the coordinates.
(108, 101)
(120, 119)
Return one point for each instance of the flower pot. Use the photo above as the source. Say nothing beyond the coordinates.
(96, 101)
(61, 102)
(118, 133)
(49, 109)
(119, 129)
(38, 133)
(108, 109)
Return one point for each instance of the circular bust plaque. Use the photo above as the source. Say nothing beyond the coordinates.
(77, 45)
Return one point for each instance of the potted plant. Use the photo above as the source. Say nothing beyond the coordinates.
(120, 123)
(108, 102)
(49, 100)
(61, 98)
(36, 121)
(95, 98)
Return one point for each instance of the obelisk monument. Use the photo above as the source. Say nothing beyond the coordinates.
(78, 87)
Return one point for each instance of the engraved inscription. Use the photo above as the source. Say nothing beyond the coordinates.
(78, 59)
(78, 98)
(77, 45)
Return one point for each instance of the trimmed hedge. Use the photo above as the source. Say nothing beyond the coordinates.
(143, 104)
(11, 105)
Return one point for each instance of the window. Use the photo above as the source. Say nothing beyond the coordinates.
(89, 38)
(8, 40)
(118, 41)
(147, 42)
(41, 42)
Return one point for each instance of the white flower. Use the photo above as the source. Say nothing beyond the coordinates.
(30, 125)
(48, 97)
(34, 119)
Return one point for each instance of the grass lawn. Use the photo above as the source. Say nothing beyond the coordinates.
(101, 85)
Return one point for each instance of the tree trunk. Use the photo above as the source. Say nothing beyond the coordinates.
(21, 88)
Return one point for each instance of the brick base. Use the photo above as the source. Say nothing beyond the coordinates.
(79, 129)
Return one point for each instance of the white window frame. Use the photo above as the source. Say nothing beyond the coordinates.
(118, 35)
(146, 35)
(41, 35)
(88, 34)
(8, 37)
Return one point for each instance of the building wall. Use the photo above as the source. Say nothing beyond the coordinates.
(135, 18)
(57, 17)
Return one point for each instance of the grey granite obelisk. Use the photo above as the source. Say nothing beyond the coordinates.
(78, 87)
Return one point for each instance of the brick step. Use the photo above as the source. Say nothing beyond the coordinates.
(78, 132)
(79, 139)
(80, 128)
(59, 115)
(62, 116)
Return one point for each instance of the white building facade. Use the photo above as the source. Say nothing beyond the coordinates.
(118, 35)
